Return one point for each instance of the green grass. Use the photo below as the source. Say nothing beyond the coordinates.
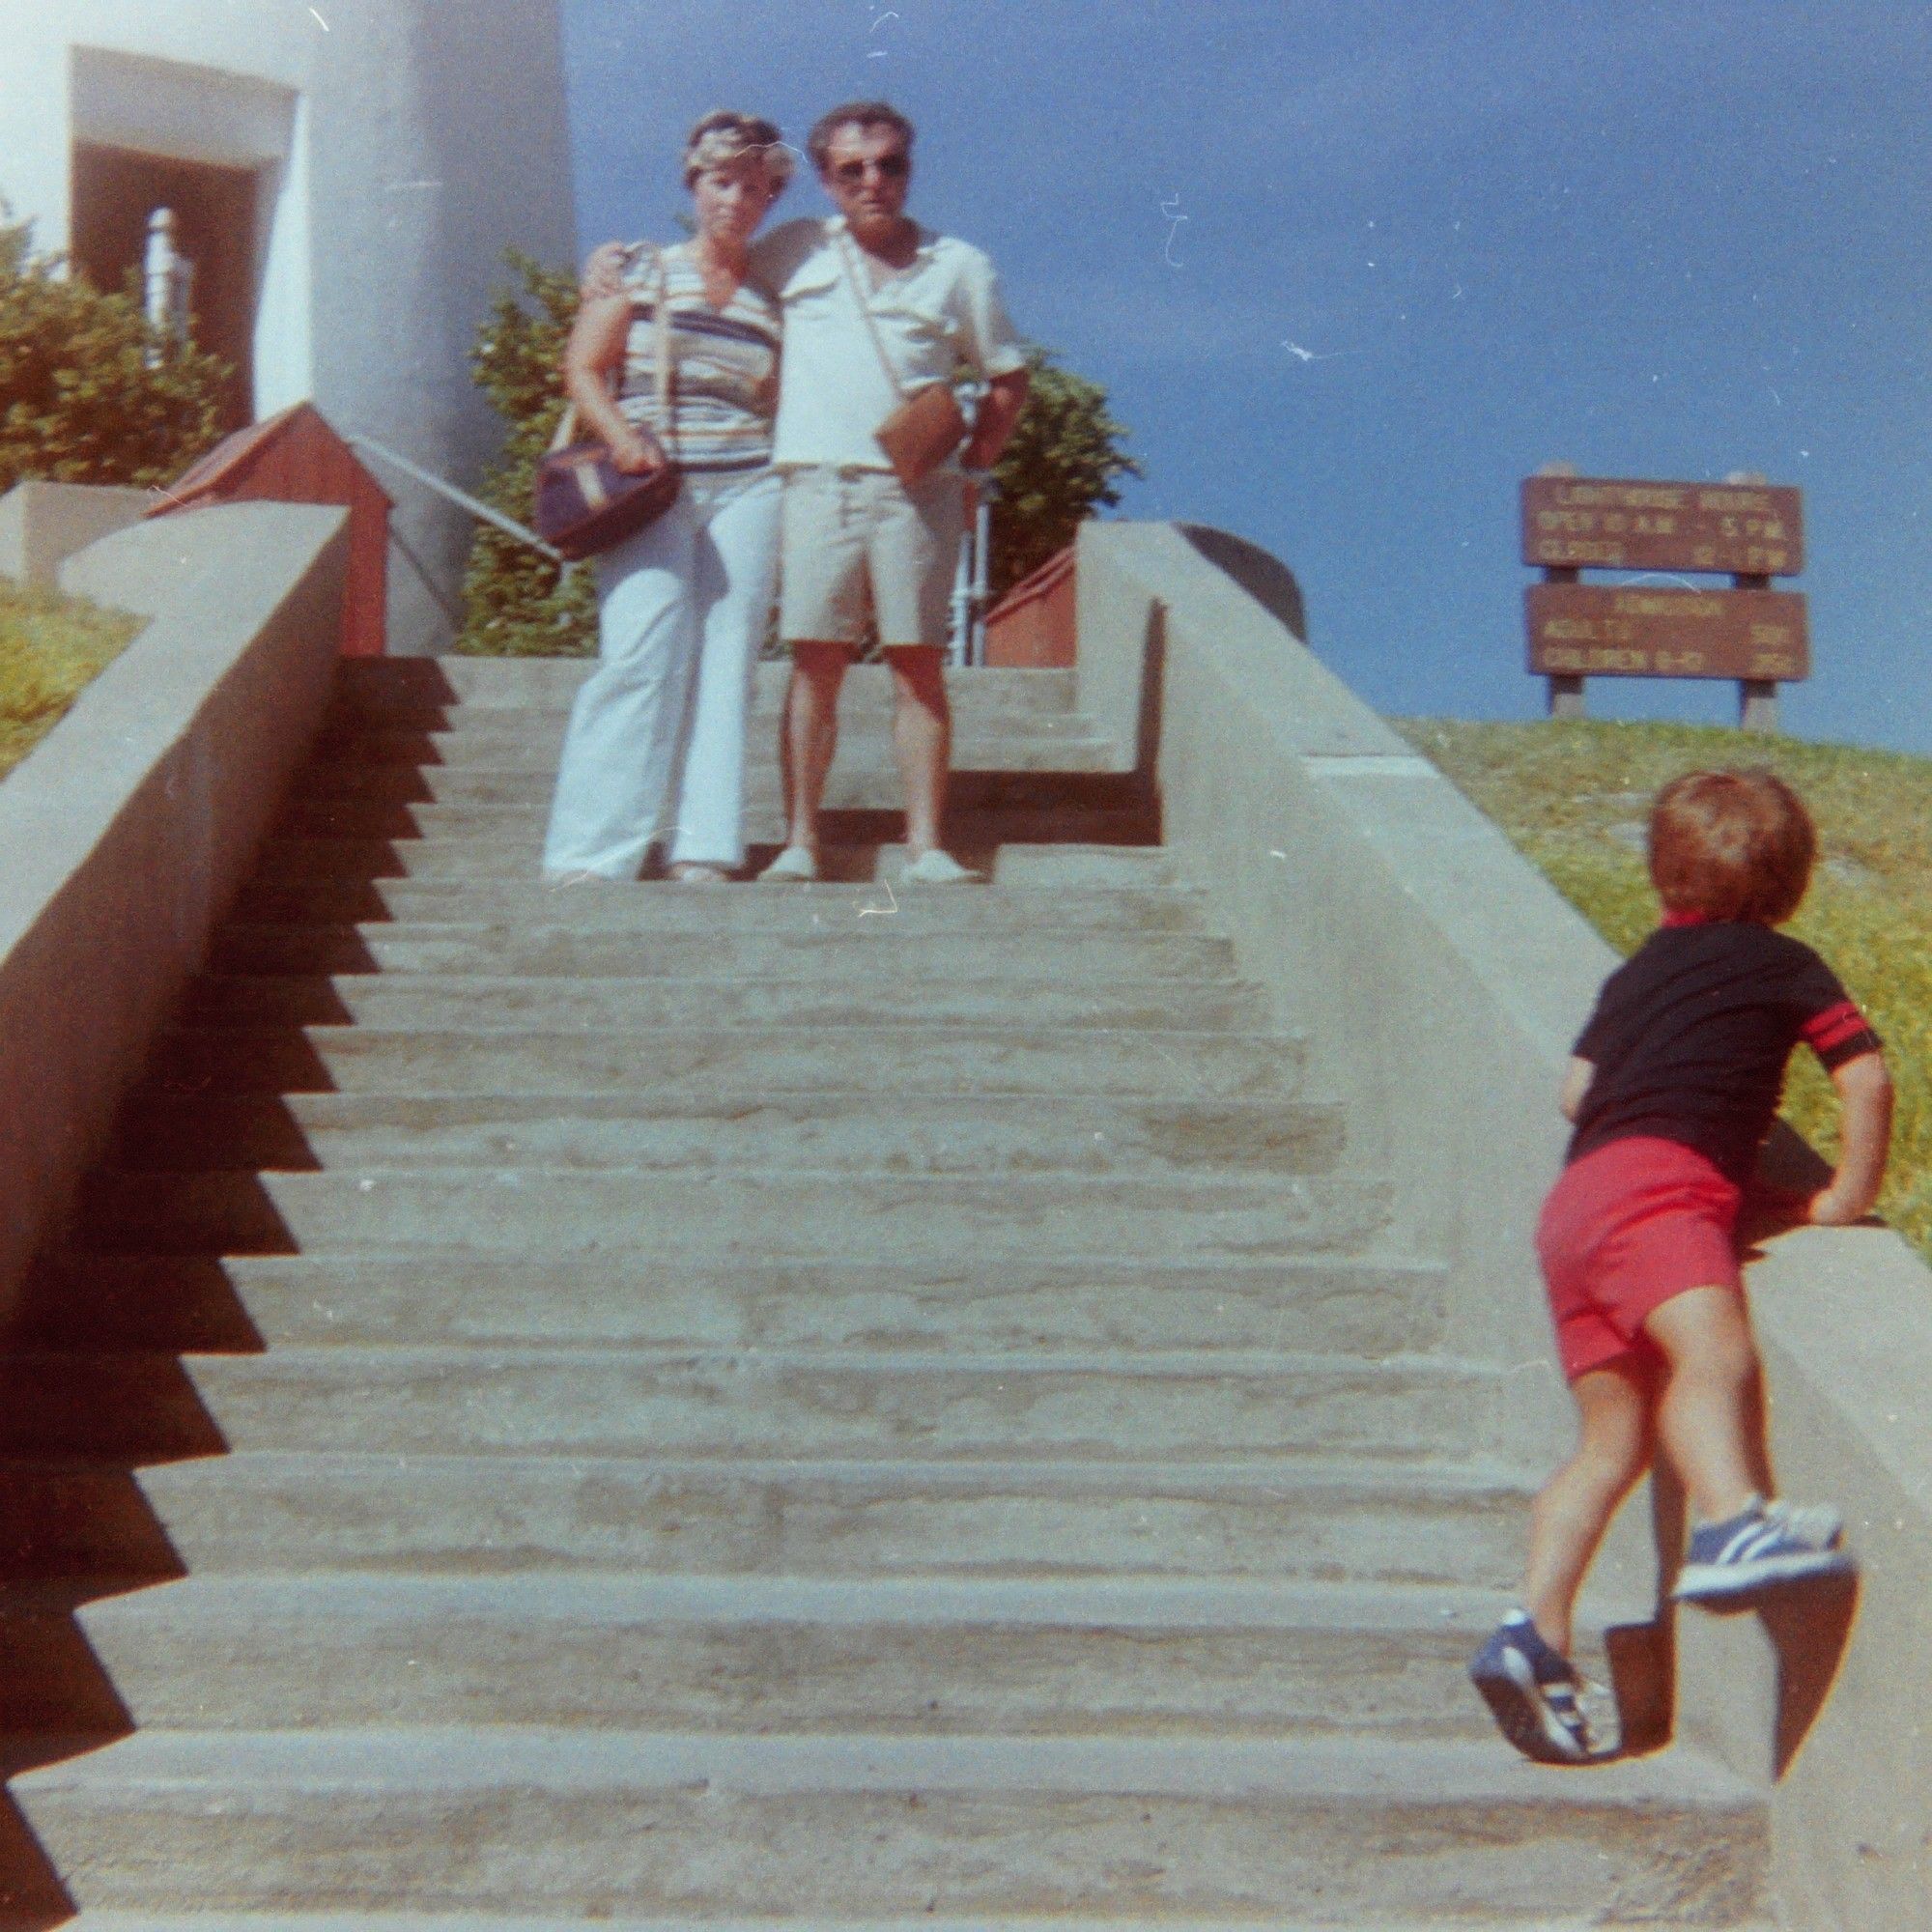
(1573, 798)
(50, 648)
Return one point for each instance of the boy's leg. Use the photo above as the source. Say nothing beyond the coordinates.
(1524, 1671)
(1709, 1419)
(1704, 1414)
(1575, 1506)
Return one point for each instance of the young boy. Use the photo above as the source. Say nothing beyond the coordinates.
(1673, 1086)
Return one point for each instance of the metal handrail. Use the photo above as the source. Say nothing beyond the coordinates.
(462, 498)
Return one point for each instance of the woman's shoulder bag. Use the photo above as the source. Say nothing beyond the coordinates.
(584, 503)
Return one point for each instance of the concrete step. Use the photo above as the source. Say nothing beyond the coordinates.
(984, 831)
(1340, 1305)
(822, 953)
(745, 1061)
(1021, 742)
(869, 1131)
(936, 1921)
(495, 856)
(613, 907)
(494, 1819)
(551, 1211)
(383, 687)
(852, 786)
(927, 1658)
(1317, 1519)
(872, 992)
(354, 732)
(819, 1404)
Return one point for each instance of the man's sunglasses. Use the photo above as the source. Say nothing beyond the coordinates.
(894, 167)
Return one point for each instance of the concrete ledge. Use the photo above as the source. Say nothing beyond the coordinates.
(1440, 980)
(130, 825)
(41, 524)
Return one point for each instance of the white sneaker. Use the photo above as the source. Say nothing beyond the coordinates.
(1816, 1523)
(796, 864)
(938, 869)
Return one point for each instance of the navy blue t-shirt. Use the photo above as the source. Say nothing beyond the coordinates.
(1690, 1037)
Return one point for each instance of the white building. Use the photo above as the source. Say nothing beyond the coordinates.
(345, 176)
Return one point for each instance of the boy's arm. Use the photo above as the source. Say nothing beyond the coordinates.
(1577, 1078)
(1864, 1102)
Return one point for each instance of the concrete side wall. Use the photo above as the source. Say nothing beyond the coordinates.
(41, 524)
(130, 825)
(1442, 980)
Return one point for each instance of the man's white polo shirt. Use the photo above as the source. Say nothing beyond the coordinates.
(941, 318)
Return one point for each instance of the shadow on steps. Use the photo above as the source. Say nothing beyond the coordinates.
(91, 1391)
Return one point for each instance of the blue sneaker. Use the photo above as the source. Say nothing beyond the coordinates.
(1531, 1691)
(1764, 1547)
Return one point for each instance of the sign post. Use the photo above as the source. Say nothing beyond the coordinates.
(1743, 526)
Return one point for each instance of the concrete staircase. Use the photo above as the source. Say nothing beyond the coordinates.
(649, 1406)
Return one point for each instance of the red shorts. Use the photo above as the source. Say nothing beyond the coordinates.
(1626, 1228)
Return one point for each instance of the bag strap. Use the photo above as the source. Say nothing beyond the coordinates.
(660, 333)
(851, 268)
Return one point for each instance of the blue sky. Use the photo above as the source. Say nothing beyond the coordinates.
(1651, 241)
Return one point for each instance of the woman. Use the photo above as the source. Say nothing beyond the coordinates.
(656, 745)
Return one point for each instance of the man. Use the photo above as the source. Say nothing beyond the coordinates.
(854, 537)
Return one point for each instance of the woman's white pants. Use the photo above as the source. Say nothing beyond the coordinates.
(656, 745)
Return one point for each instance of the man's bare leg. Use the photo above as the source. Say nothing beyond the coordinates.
(808, 737)
(922, 740)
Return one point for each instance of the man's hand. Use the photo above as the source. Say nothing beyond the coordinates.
(603, 272)
(998, 417)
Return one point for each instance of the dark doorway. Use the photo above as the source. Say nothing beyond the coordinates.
(115, 191)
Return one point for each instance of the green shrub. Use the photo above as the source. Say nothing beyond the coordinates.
(1058, 469)
(79, 402)
(516, 602)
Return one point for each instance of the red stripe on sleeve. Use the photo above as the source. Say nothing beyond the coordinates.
(1834, 1024)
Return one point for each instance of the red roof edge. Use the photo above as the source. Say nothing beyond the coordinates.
(231, 458)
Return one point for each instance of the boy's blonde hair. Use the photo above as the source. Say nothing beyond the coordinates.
(1731, 845)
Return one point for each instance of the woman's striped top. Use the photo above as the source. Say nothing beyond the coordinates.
(724, 364)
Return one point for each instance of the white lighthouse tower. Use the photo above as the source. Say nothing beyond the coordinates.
(343, 178)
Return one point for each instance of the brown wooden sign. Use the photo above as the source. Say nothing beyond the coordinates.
(1578, 630)
(1599, 523)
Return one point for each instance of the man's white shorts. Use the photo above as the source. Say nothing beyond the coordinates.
(858, 539)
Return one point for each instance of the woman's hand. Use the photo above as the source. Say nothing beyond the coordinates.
(632, 454)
